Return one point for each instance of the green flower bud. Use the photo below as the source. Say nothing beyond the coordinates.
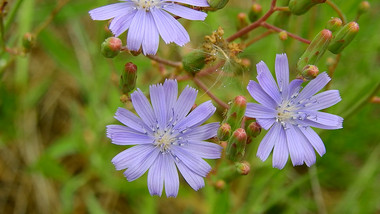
(343, 37)
(236, 112)
(111, 47)
(364, 7)
(315, 50)
(242, 23)
(299, 7)
(194, 61)
(283, 35)
(310, 72)
(224, 131)
(128, 78)
(217, 4)
(243, 168)
(334, 24)
(28, 41)
(255, 12)
(253, 129)
(236, 145)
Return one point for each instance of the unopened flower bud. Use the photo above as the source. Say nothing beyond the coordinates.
(124, 98)
(253, 129)
(223, 144)
(217, 4)
(111, 47)
(194, 61)
(128, 78)
(242, 23)
(334, 24)
(310, 72)
(281, 19)
(363, 7)
(315, 50)
(236, 112)
(246, 62)
(255, 12)
(236, 145)
(220, 184)
(28, 41)
(283, 35)
(243, 168)
(299, 7)
(224, 131)
(344, 37)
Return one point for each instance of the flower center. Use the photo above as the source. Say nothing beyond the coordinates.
(164, 140)
(147, 4)
(286, 111)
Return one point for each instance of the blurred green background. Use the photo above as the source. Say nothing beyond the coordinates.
(56, 101)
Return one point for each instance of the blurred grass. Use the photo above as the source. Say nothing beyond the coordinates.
(56, 101)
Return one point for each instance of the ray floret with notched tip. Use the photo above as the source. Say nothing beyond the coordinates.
(166, 137)
(289, 113)
(146, 20)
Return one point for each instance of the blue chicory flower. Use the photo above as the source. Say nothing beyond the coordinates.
(289, 112)
(167, 137)
(147, 19)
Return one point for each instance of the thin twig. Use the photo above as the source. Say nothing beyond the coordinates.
(286, 9)
(337, 10)
(164, 61)
(254, 25)
(269, 26)
(257, 38)
(209, 93)
(316, 188)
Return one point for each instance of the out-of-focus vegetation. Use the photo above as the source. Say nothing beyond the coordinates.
(56, 100)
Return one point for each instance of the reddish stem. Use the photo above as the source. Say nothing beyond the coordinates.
(254, 25)
(209, 93)
(272, 27)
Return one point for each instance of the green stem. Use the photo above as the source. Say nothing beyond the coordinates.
(11, 15)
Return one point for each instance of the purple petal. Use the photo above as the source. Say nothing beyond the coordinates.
(326, 119)
(324, 100)
(294, 87)
(121, 23)
(314, 140)
(171, 92)
(280, 151)
(309, 154)
(184, 103)
(295, 145)
(202, 132)
(314, 86)
(169, 28)
(203, 149)
(156, 176)
(259, 111)
(198, 116)
(142, 164)
(158, 99)
(268, 142)
(267, 82)
(282, 73)
(136, 30)
(199, 3)
(194, 163)
(143, 108)
(184, 12)
(151, 37)
(110, 11)
(129, 138)
(260, 95)
(131, 120)
(171, 176)
(265, 123)
(194, 180)
(113, 129)
(128, 157)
